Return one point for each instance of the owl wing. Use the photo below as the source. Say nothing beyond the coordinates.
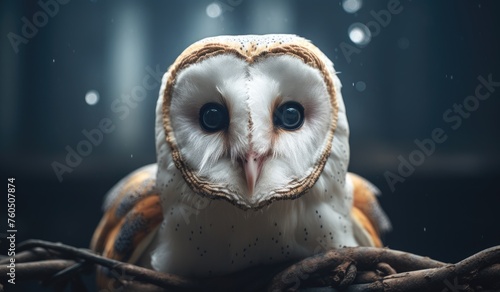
(369, 218)
(132, 214)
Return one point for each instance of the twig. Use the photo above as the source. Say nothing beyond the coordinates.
(37, 270)
(480, 269)
(139, 273)
(32, 255)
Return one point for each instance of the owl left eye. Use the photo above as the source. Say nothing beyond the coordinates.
(213, 117)
(289, 116)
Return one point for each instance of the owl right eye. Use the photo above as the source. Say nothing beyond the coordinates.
(213, 117)
(289, 116)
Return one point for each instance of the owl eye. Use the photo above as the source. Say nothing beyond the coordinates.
(213, 117)
(289, 116)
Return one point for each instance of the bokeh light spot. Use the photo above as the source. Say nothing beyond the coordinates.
(352, 6)
(360, 86)
(214, 10)
(359, 34)
(92, 97)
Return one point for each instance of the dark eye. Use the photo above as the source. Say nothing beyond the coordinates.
(289, 116)
(213, 117)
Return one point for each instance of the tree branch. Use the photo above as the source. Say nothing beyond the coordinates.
(346, 269)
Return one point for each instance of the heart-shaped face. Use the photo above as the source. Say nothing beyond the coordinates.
(251, 119)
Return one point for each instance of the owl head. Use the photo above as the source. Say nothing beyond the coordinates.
(252, 119)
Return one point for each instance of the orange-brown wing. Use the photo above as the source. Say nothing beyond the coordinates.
(367, 211)
(132, 214)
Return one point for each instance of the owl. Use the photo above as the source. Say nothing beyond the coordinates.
(252, 155)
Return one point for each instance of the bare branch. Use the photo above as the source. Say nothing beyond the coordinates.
(364, 258)
(39, 270)
(139, 273)
(347, 269)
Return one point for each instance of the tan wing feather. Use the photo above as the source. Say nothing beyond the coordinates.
(132, 215)
(367, 211)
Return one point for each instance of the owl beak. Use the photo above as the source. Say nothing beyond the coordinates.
(252, 164)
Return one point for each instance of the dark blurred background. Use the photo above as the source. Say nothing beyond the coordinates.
(403, 66)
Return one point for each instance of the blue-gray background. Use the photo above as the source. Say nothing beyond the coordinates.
(396, 88)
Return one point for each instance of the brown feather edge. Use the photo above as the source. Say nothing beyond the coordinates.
(306, 53)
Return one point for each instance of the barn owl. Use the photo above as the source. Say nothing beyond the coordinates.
(252, 156)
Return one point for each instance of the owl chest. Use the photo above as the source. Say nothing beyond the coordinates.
(219, 239)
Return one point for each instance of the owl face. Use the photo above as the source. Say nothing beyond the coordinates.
(249, 119)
